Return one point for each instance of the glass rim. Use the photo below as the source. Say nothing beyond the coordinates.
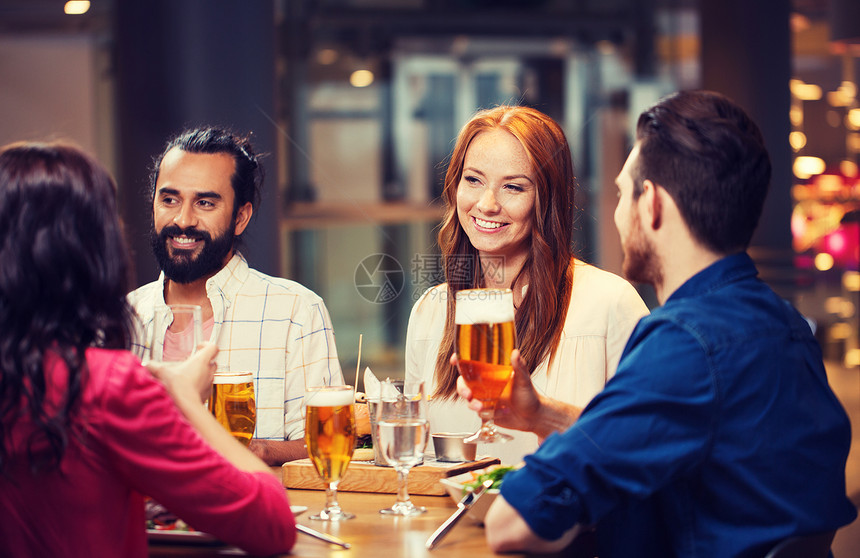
(330, 396)
(233, 379)
(484, 306)
(225, 377)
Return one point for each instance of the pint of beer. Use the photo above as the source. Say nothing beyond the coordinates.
(484, 320)
(232, 403)
(330, 430)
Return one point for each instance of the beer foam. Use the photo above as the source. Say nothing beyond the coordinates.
(232, 378)
(484, 306)
(329, 397)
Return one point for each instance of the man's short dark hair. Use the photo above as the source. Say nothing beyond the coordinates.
(705, 151)
(247, 179)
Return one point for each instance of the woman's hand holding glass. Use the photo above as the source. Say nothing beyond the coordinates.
(177, 332)
(175, 335)
(191, 377)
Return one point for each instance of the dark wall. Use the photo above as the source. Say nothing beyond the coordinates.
(182, 63)
(746, 54)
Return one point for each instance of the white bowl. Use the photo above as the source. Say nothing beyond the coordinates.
(454, 486)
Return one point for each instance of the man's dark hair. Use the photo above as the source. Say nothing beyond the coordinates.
(247, 179)
(705, 151)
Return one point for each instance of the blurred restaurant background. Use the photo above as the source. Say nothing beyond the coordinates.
(356, 104)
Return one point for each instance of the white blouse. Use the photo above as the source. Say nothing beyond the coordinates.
(603, 310)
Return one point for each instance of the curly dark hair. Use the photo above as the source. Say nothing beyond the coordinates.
(63, 283)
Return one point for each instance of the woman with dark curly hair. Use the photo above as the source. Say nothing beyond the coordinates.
(85, 430)
(509, 194)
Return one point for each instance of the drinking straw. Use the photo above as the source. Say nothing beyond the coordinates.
(357, 363)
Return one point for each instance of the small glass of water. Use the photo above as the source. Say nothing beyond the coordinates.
(373, 411)
(402, 431)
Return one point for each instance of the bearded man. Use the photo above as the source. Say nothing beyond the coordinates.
(205, 186)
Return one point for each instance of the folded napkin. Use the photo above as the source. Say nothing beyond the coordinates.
(376, 390)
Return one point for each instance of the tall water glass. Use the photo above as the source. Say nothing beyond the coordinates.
(330, 437)
(177, 330)
(402, 431)
(484, 321)
(233, 404)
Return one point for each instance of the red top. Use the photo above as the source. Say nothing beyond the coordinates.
(130, 439)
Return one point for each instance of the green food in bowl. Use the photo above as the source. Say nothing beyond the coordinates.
(496, 474)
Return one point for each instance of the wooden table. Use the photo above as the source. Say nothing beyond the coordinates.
(371, 535)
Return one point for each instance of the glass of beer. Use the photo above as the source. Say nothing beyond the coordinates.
(401, 432)
(232, 403)
(484, 321)
(330, 437)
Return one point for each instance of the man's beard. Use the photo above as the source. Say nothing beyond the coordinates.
(183, 267)
(640, 259)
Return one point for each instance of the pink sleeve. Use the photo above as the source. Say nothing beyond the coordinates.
(161, 455)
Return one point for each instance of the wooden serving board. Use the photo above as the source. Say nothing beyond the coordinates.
(364, 476)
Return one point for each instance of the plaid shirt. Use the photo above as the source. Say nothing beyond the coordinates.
(273, 327)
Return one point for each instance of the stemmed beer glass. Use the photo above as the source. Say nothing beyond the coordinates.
(484, 321)
(402, 430)
(330, 437)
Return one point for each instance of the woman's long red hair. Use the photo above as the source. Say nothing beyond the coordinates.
(548, 269)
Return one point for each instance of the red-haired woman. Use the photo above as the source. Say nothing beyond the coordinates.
(509, 192)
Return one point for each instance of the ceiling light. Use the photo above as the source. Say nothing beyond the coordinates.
(823, 261)
(805, 91)
(361, 78)
(839, 98)
(806, 167)
(851, 281)
(797, 140)
(76, 7)
(854, 118)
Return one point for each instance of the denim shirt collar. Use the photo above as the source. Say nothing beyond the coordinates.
(727, 270)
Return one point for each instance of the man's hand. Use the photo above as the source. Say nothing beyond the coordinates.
(193, 375)
(507, 531)
(278, 452)
(521, 407)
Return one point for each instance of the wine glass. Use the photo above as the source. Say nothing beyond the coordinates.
(233, 404)
(402, 430)
(330, 437)
(177, 330)
(485, 333)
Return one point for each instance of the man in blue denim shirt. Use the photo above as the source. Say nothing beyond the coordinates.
(719, 435)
